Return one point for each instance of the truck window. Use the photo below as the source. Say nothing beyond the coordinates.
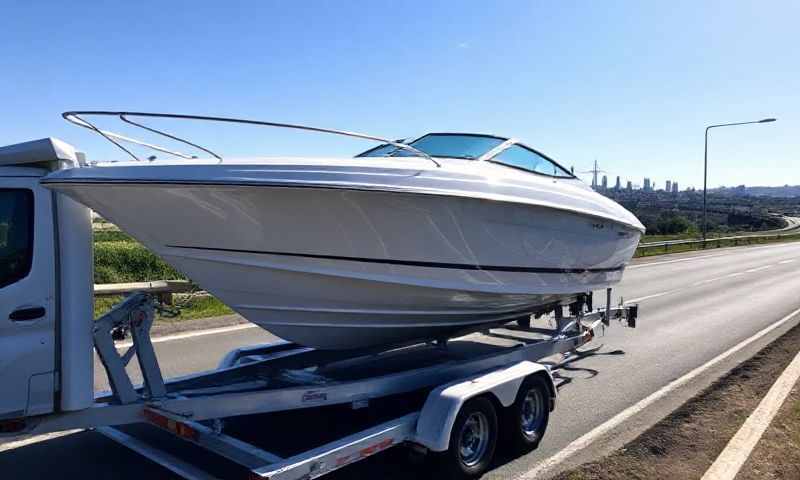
(16, 234)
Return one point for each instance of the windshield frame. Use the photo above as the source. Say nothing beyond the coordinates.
(568, 173)
(488, 156)
(503, 140)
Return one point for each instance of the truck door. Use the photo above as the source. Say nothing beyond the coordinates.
(27, 291)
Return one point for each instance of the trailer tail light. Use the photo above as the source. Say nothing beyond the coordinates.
(178, 428)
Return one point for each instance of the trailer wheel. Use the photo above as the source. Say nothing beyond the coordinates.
(472, 441)
(526, 420)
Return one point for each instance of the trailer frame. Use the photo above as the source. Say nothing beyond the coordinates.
(283, 376)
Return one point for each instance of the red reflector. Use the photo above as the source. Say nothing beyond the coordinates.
(178, 428)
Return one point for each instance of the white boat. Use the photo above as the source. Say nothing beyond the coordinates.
(404, 242)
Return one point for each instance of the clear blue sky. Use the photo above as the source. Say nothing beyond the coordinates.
(631, 83)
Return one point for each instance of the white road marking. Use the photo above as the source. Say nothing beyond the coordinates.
(739, 448)
(715, 279)
(655, 295)
(698, 257)
(703, 282)
(38, 438)
(588, 438)
(197, 333)
(787, 261)
(758, 269)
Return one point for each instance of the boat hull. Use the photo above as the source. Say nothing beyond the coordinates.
(341, 268)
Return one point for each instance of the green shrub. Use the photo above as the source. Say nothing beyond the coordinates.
(112, 236)
(193, 307)
(198, 307)
(117, 262)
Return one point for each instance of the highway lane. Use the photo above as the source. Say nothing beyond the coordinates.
(693, 307)
(691, 311)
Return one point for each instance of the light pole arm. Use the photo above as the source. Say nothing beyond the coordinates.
(766, 120)
(705, 167)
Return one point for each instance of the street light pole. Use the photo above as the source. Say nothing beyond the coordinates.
(705, 167)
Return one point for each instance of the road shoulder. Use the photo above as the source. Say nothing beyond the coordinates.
(686, 443)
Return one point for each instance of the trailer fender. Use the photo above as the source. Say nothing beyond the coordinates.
(443, 403)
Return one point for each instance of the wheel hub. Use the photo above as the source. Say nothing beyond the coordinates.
(473, 439)
(532, 408)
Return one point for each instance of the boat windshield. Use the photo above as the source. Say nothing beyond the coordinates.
(447, 145)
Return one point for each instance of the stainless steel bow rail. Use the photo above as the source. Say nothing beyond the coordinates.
(76, 117)
(412, 395)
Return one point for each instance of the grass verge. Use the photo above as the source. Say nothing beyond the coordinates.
(185, 308)
(121, 261)
(652, 251)
(111, 236)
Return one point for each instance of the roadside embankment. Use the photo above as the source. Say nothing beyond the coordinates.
(688, 441)
(777, 455)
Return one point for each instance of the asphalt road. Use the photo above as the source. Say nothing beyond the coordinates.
(693, 307)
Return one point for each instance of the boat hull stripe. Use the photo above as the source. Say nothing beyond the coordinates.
(412, 263)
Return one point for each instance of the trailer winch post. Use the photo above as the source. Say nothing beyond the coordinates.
(607, 316)
(135, 312)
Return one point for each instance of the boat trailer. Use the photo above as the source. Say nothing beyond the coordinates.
(497, 370)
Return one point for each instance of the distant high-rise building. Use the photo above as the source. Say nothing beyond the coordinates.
(646, 186)
(675, 187)
(604, 185)
(618, 186)
(669, 186)
(629, 186)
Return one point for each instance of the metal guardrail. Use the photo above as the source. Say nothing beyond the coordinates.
(736, 240)
(162, 289)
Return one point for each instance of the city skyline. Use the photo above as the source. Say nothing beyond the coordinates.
(648, 185)
(593, 178)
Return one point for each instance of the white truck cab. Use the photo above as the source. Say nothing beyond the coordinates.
(46, 361)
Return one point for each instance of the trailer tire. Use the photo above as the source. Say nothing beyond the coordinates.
(472, 441)
(525, 422)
